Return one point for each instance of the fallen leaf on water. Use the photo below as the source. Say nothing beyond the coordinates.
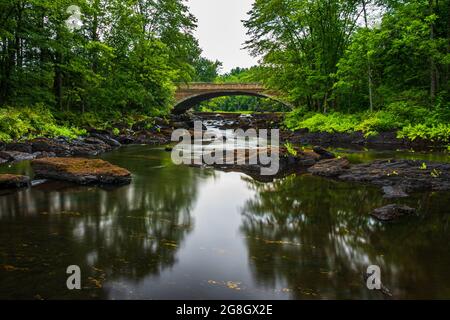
(96, 282)
(8, 267)
(233, 285)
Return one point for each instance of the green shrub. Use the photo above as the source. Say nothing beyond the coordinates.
(30, 122)
(334, 122)
(380, 121)
(439, 132)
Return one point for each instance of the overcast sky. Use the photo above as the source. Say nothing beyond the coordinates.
(220, 31)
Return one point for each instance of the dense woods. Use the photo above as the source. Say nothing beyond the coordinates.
(366, 65)
(124, 55)
(386, 63)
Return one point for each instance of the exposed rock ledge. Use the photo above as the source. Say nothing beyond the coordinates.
(395, 177)
(81, 171)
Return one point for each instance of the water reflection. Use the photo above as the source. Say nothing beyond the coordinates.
(133, 230)
(181, 232)
(316, 237)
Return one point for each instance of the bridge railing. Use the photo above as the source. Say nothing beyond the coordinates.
(207, 85)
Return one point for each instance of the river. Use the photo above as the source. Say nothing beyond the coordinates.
(178, 232)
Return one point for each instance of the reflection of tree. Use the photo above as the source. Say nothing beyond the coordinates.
(131, 231)
(316, 237)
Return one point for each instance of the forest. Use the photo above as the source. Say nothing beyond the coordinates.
(362, 65)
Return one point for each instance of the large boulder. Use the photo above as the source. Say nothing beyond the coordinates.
(330, 168)
(13, 181)
(81, 171)
(392, 212)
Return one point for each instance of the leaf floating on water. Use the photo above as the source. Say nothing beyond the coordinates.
(229, 284)
(233, 285)
(8, 267)
(97, 283)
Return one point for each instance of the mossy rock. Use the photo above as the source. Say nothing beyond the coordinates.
(80, 170)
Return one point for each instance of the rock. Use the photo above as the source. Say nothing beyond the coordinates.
(43, 154)
(392, 212)
(391, 192)
(81, 171)
(330, 168)
(10, 181)
(16, 156)
(93, 140)
(126, 139)
(408, 175)
(21, 147)
(107, 139)
(324, 154)
(51, 145)
(89, 147)
(86, 150)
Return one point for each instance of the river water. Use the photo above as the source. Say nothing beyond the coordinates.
(178, 232)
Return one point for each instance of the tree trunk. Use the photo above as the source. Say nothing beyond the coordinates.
(369, 64)
(57, 83)
(433, 71)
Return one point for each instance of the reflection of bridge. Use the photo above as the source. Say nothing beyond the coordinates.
(190, 95)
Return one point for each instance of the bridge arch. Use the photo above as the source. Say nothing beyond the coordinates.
(189, 95)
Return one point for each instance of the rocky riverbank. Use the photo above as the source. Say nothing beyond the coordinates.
(396, 178)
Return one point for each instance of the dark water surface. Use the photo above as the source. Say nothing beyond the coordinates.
(189, 233)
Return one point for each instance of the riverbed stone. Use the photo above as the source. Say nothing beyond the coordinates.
(392, 212)
(13, 181)
(107, 139)
(61, 149)
(408, 175)
(80, 170)
(19, 146)
(16, 156)
(330, 168)
(324, 154)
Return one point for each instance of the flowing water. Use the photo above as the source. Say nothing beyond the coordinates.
(178, 232)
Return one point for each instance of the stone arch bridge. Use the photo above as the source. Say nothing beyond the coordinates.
(189, 95)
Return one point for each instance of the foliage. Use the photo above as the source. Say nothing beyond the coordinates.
(411, 122)
(336, 56)
(440, 132)
(126, 55)
(206, 70)
(290, 149)
(20, 123)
